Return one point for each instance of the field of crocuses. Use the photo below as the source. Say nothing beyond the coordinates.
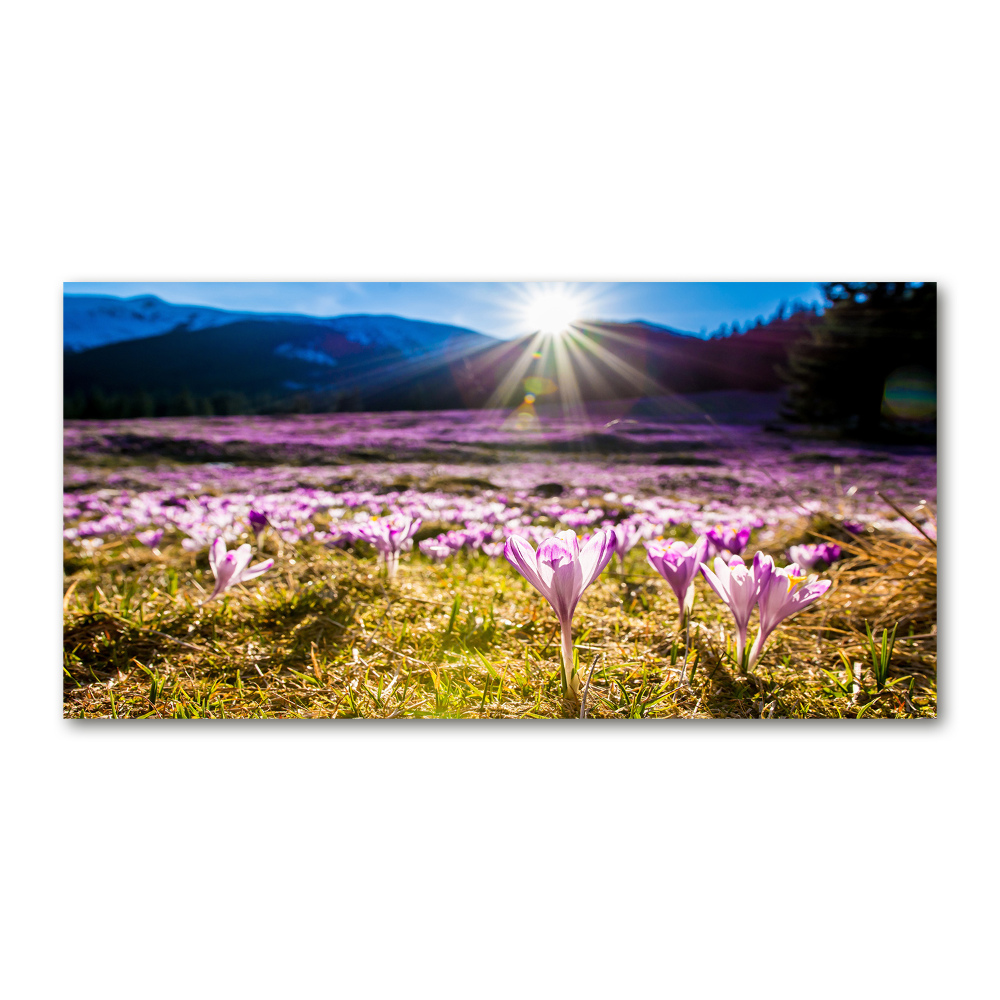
(494, 565)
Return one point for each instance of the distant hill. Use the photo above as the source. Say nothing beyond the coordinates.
(602, 361)
(274, 363)
(91, 321)
(94, 320)
(271, 357)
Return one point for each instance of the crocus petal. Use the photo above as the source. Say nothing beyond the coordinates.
(736, 585)
(595, 556)
(558, 562)
(555, 552)
(723, 568)
(811, 592)
(781, 599)
(243, 556)
(521, 556)
(715, 582)
(700, 548)
(253, 571)
(565, 589)
(743, 594)
(216, 552)
(763, 567)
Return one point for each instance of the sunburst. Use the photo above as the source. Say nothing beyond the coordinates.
(552, 308)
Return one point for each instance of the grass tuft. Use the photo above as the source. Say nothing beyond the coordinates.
(324, 636)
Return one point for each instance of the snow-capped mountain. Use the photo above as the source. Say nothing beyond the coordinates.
(91, 321)
(408, 336)
(147, 345)
(95, 320)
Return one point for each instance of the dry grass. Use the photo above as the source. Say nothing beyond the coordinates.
(322, 636)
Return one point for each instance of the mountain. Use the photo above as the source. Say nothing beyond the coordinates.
(273, 363)
(270, 358)
(91, 321)
(94, 320)
(660, 328)
(599, 360)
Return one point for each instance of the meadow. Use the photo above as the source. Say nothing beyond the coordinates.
(328, 631)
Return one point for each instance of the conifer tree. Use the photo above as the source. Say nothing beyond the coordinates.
(837, 374)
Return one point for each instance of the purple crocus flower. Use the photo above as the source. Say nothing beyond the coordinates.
(728, 538)
(561, 571)
(782, 596)
(740, 588)
(339, 535)
(258, 521)
(151, 539)
(832, 553)
(678, 563)
(627, 534)
(808, 556)
(435, 549)
(389, 535)
(230, 568)
(196, 540)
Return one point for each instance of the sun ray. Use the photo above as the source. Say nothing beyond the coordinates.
(575, 345)
(376, 375)
(633, 375)
(569, 388)
(666, 400)
(509, 385)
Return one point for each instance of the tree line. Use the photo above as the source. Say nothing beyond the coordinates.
(97, 404)
(868, 365)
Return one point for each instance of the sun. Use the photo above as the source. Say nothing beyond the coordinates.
(552, 310)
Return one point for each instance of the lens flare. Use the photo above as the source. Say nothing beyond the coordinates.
(910, 394)
(538, 385)
(524, 417)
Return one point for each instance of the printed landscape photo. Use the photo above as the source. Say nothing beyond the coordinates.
(500, 500)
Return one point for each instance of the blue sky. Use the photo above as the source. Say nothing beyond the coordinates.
(498, 308)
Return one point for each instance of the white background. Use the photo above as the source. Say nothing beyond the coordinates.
(577, 141)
